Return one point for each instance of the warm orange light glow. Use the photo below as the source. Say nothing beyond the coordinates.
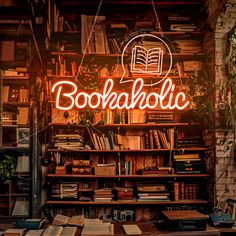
(112, 100)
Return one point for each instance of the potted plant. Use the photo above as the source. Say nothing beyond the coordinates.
(7, 169)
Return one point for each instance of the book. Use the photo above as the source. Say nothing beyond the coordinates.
(146, 61)
(69, 231)
(132, 229)
(22, 164)
(14, 232)
(97, 227)
(23, 115)
(5, 94)
(62, 220)
(53, 231)
(35, 232)
(30, 223)
(21, 207)
(7, 49)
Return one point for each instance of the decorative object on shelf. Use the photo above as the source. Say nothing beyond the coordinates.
(23, 137)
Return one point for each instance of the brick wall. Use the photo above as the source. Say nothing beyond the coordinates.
(221, 19)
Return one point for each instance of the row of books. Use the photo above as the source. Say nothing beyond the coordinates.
(145, 192)
(65, 67)
(15, 94)
(185, 191)
(159, 139)
(151, 139)
(21, 117)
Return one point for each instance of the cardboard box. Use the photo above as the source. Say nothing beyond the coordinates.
(105, 170)
(60, 170)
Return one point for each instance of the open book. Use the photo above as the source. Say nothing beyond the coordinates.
(146, 61)
(65, 220)
(59, 231)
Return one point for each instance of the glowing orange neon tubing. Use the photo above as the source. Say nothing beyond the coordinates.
(112, 100)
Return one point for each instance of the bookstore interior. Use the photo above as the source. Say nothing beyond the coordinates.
(117, 117)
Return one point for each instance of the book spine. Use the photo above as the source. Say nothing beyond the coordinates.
(151, 139)
(176, 191)
(134, 167)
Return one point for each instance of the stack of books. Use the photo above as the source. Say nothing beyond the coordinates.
(152, 192)
(188, 163)
(97, 227)
(64, 190)
(69, 141)
(103, 195)
(188, 46)
(156, 116)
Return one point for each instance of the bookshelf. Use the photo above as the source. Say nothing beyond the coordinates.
(15, 82)
(128, 159)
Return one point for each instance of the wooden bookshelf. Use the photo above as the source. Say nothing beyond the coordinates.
(67, 62)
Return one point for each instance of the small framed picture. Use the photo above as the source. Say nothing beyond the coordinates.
(23, 137)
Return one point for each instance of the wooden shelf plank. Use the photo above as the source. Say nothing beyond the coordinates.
(18, 149)
(72, 202)
(17, 104)
(148, 125)
(134, 126)
(127, 151)
(130, 176)
(18, 78)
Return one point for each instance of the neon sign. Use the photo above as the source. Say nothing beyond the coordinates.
(147, 60)
(109, 99)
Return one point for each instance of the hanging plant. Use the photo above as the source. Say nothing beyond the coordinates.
(230, 88)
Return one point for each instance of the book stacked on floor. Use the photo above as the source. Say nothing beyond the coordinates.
(132, 229)
(103, 195)
(97, 227)
(14, 232)
(59, 231)
(152, 192)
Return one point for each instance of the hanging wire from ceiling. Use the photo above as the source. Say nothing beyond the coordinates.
(89, 37)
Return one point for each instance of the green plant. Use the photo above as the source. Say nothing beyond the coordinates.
(201, 92)
(230, 86)
(7, 167)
